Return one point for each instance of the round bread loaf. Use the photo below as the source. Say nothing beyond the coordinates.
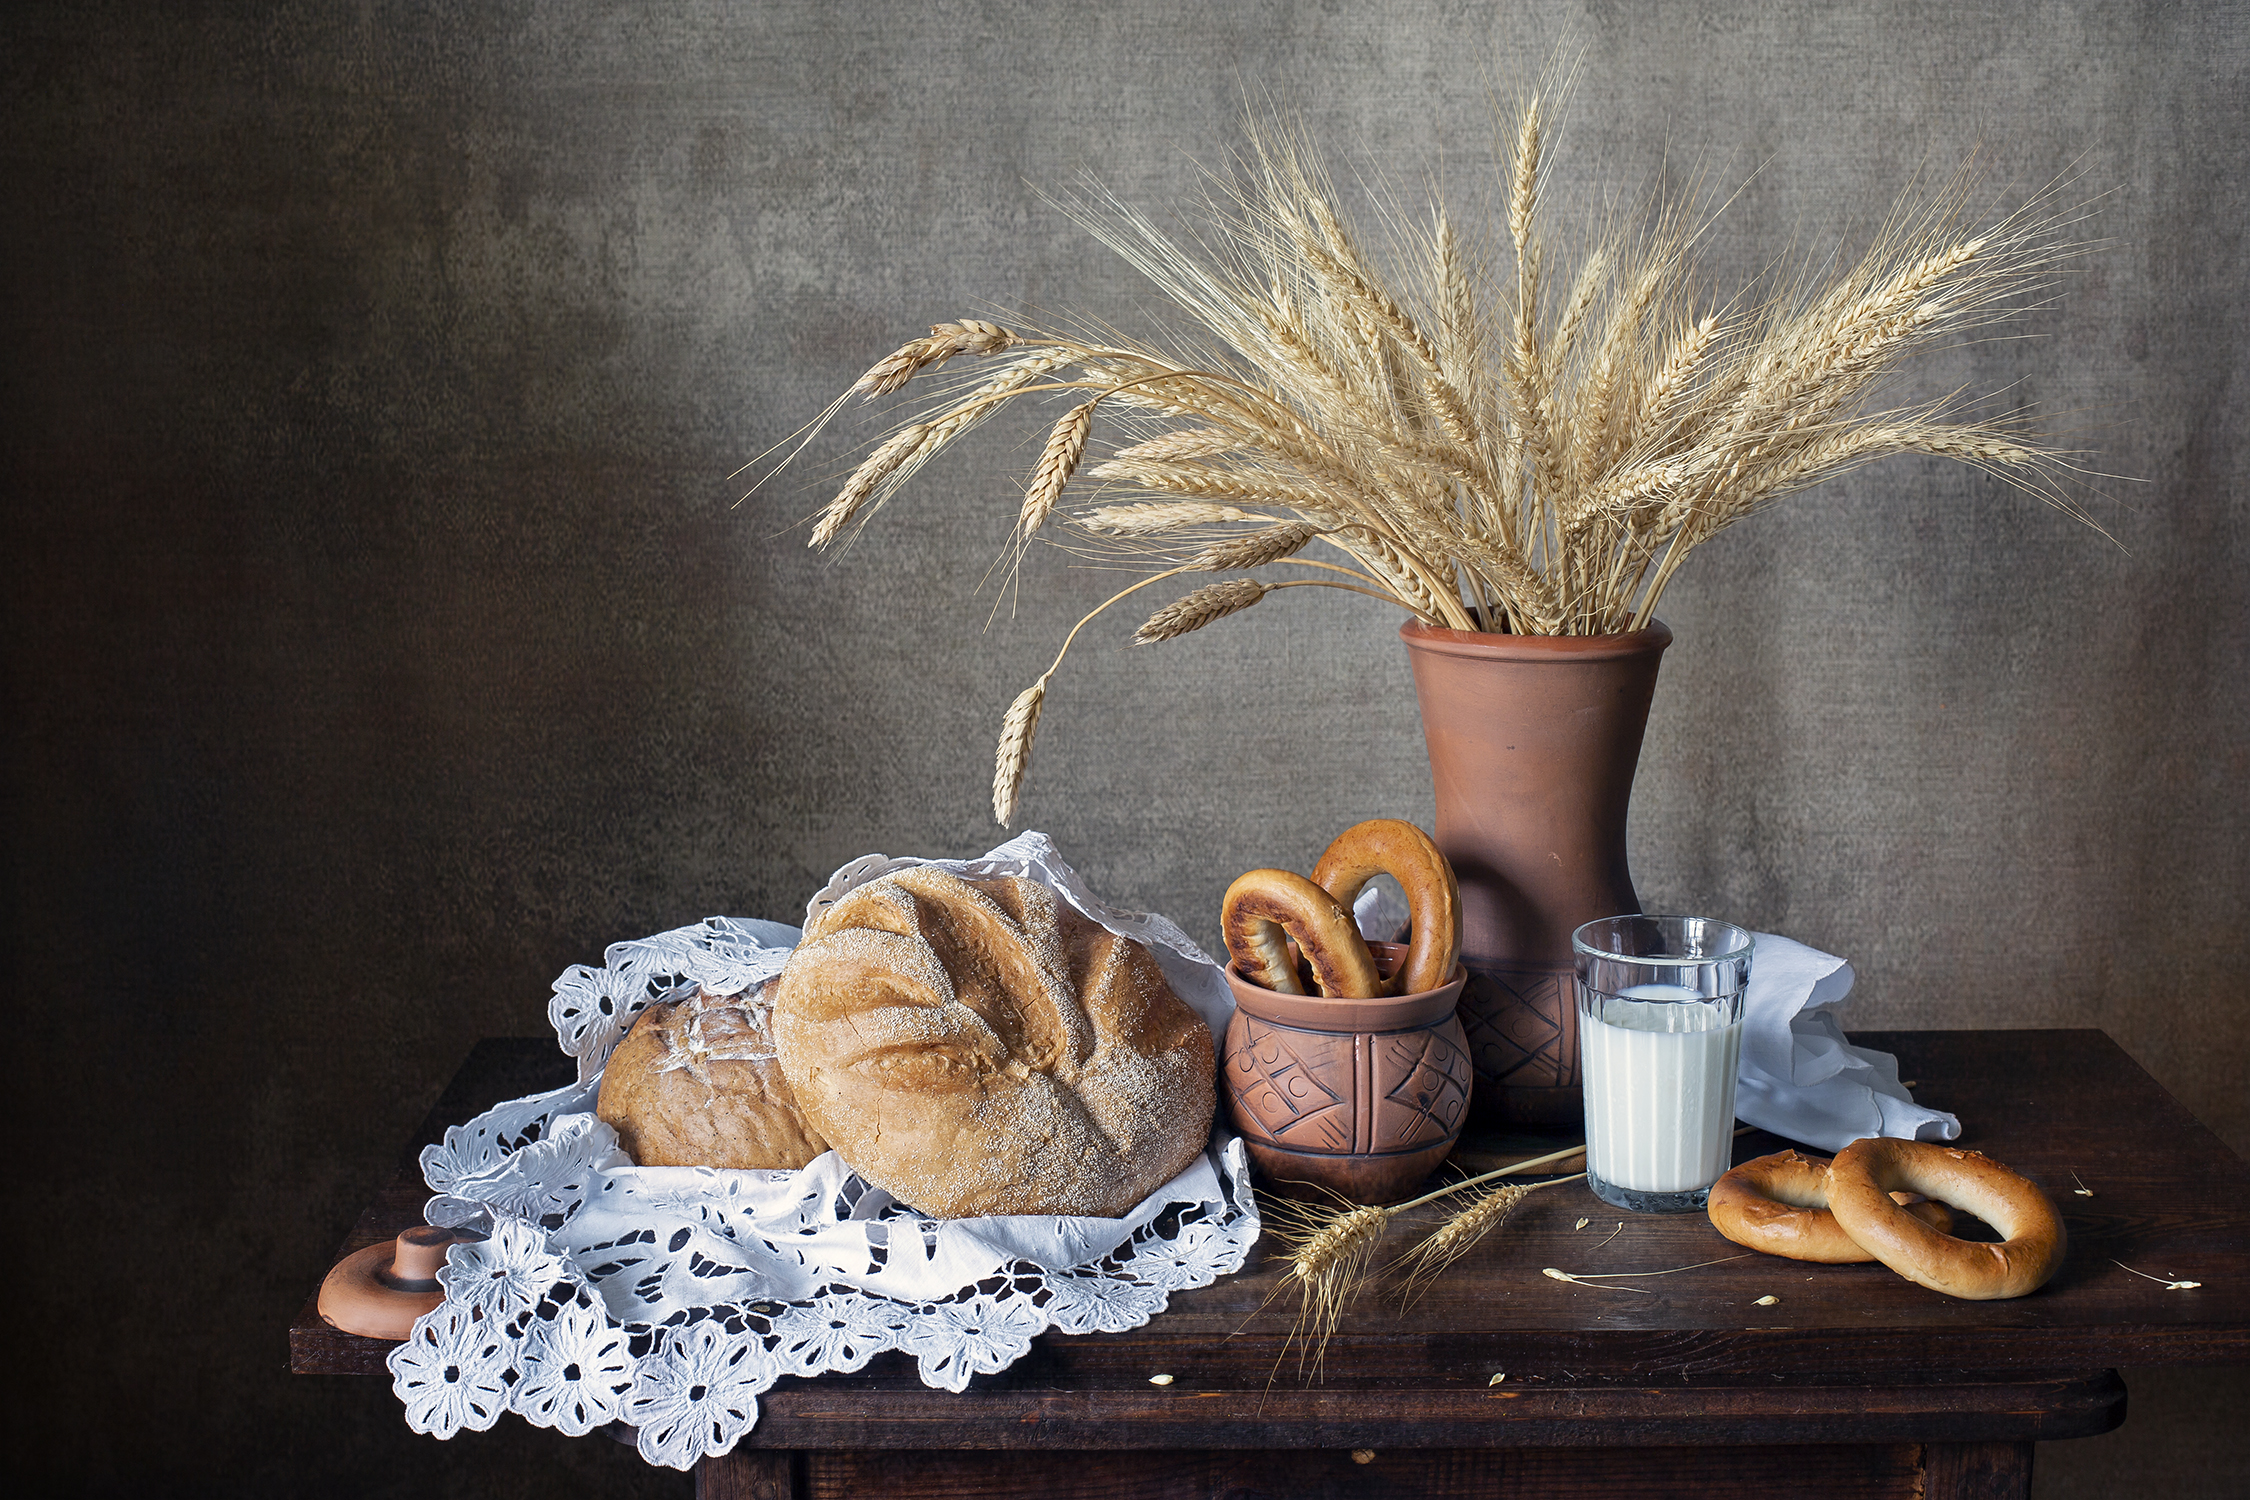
(978, 1047)
(696, 1083)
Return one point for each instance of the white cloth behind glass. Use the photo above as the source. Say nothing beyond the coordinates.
(1801, 1077)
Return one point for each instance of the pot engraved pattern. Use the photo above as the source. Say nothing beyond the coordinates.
(1337, 1093)
(1514, 1018)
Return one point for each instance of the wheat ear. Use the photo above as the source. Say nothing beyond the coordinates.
(1330, 1249)
(971, 411)
(1328, 1253)
(1666, 386)
(1214, 483)
(1404, 573)
(863, 481)
(1013, 760)
(1459, 1234)
(1188, 442)
(1213, 601)
(1151, 519)
(1240, 553)
(1065, 446)
(969, 336)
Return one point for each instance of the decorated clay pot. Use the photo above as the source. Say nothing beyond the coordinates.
(1361, 1097)
(1533, 743)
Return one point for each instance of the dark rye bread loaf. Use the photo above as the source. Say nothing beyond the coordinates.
(695, 1083)
(979, 1047)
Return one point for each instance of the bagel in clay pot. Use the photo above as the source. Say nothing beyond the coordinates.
(1395, 847)
(1284, 931)
(979, 1047)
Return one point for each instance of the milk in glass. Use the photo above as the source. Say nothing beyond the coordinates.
(1659, 1079)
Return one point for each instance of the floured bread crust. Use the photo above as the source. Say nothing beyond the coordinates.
(979, 1047)
(696, 1083)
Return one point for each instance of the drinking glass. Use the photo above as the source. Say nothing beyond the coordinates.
(1659, 1044)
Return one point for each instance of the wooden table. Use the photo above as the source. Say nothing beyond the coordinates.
(1854, 1383)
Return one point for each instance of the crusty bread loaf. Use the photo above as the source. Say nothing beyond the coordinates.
(696, 1083)
(978, 1047)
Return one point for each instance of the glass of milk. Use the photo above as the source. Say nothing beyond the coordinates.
(1659, 1043)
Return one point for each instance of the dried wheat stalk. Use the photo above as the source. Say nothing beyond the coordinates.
(862, 485)
(1331, 1249)
(969, 336)
(1241, 553)
(1329, 1253)
(1065, 446)
(1013, 759)
(1150, 519)
(1188, 442)
(1493, 448)
(1213, 601)
(1459, 1235)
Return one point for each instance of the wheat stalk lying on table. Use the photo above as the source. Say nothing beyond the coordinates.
(1331, 1248)
(1537, 455)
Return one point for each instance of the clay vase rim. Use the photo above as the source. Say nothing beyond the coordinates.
(1556, 649)
(1331, 1013)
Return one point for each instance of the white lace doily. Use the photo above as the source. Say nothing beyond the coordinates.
(670, 1298)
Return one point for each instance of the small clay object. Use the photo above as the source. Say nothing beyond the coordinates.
(379, 1292)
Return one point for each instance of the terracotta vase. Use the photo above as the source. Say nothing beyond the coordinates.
(1533, 742)
(1360, 1097)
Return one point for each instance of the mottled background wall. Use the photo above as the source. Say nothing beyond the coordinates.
(383, 635)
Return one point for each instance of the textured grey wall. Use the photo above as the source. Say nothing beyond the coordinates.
(383, 636)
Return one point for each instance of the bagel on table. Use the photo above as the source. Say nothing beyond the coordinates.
(1866, 1173)
(1779, 1204)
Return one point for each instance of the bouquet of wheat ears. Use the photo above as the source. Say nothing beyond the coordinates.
(1457, 427)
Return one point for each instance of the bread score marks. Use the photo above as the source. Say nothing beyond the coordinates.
(697, 1083)
(979, 1047)
(717, 1029)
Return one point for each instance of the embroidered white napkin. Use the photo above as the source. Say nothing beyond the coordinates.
(1800, 1077)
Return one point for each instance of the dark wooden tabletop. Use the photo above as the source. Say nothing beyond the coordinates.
(2142, 1186)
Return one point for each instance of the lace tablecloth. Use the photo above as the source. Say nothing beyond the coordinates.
(671, 1298)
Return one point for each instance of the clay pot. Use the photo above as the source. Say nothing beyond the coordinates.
(1362, 1097)
(1533, 741)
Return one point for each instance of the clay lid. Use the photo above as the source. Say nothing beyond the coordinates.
(378, 1292)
